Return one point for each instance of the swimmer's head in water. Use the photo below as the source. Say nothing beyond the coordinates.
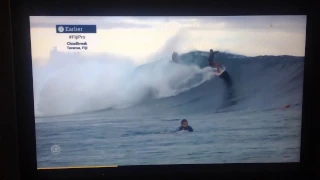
(184, 123)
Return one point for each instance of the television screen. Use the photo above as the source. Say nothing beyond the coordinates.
(115, 91)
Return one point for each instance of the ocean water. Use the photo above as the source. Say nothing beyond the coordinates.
(235, 137)
(240, 124)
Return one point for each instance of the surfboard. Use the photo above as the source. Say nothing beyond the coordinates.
(222, 69)
(183, 131)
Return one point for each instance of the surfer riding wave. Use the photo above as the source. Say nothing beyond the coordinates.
(224, 75)
(220, 71)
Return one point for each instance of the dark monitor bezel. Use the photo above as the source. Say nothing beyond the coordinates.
(24, 88)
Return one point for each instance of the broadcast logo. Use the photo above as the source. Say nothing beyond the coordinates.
(61, 29)
(55, 149)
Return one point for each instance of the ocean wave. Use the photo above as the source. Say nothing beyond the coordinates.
(77, 84)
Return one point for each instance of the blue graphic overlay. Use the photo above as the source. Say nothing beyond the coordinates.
(76, 28)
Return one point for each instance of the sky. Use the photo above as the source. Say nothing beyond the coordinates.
(141, 38)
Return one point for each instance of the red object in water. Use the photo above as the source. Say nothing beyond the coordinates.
(286, 106)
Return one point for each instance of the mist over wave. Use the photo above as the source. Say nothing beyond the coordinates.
(74, 83)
